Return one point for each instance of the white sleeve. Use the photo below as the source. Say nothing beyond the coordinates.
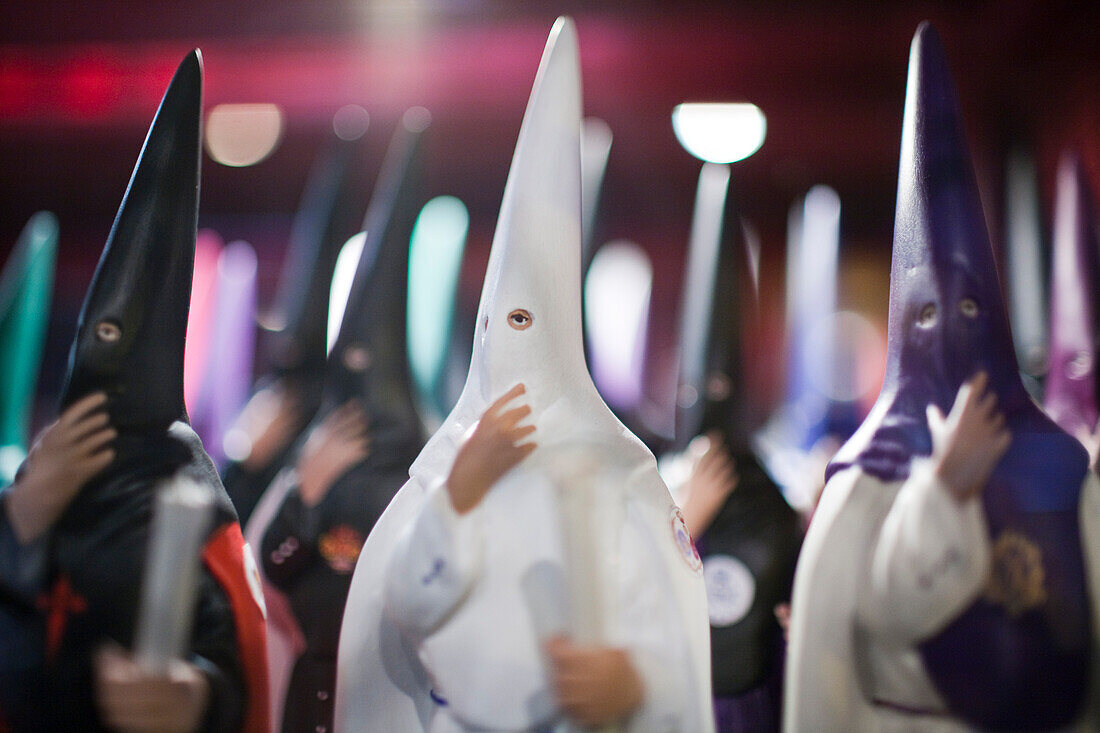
(433, 565)
(1089, 519)
(649, 630)
(930, 561)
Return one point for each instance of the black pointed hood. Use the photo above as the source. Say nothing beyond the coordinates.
(710, 392)
(369, 359)
(295, 338)
(130, 334)
(947, 317)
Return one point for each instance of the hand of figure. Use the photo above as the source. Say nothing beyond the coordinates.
(596, 685)
(713, 478)
(968, 443)
(491, 451)
(267, 424)
(334, 446)
(1091, 440)
(782, 613)
(133, 699)
(65, 455)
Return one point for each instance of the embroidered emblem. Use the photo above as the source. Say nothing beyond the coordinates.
(340, 547)
(683, 541)
(1017, 578)
(61, 601)
(730, 589)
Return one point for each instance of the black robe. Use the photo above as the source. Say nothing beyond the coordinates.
(79, 587)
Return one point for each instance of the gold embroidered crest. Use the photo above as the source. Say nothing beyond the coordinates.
(340, 547)
(1017, 578)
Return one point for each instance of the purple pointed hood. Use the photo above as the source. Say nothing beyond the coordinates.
(947, 317)
(1071, 394)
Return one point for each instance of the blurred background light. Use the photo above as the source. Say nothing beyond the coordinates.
(719, 132)
(435, 254)
(350, 122)
(239, 135)
(346, 264)
(616, 302)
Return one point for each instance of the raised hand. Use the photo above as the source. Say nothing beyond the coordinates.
(266, 425)
(338, 443)
(713, 478)
(1091, 440)
(596, 685)
(63, 458)
(969, 442)
(491, 451)
(130, 698)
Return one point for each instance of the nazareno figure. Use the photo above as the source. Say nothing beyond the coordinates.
(294, 328)
(1071, 397)
(511, 586)
(747, 534)
(948, 579)
(356, 454)
(77, 518)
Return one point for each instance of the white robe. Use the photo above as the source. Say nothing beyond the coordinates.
(455, 586)
(883, 567)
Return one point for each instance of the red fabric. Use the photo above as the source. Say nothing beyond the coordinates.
(224, 557)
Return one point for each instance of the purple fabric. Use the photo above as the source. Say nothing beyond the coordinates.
(1070, 397)
(1021, 660)
(754, 711)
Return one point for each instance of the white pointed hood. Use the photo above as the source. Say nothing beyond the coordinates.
(534, 267)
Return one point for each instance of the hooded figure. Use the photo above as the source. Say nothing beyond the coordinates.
(26, 287)
(311, 542)
(921, 602)
(1071, 388)
(820, 409)
(294, 337)
(1027, 263)
(461, 649)
(748, 542)
(129, 344)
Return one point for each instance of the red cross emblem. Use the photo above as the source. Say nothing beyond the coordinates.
(57, 605)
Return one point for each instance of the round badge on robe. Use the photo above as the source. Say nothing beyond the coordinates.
(730, 589)
(683, 540)
(340, 547)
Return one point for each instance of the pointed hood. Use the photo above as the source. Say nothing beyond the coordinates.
(710, 393)
(528, 326)
(369, 358)
(295, 325)
(818, 384)
(435, 262)
(1026, 257)
(130, 334)
(26, 287)
(1071, 386)
(947, 317)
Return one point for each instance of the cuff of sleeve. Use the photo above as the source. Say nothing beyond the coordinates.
(968, 517)
(224, 708)
(662, 696)
(464, 529)
(22, 567)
